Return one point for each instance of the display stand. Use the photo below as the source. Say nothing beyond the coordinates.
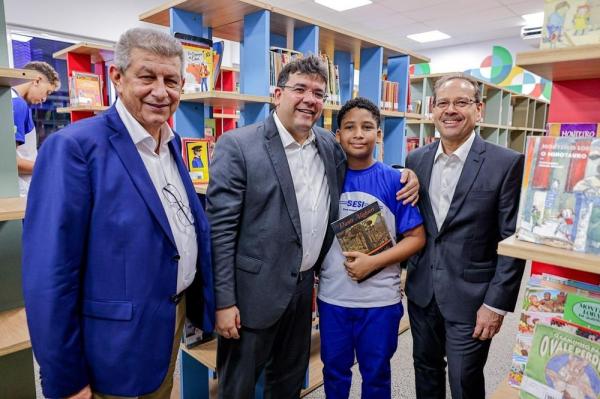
(575, 96)
(508, 117)
(89, 58)
(16, 359)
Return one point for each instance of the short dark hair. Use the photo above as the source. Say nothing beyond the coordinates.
(45, 69)
(311, 65)
(359, 102)
(469, 79)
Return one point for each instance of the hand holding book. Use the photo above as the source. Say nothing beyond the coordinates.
(359, 266)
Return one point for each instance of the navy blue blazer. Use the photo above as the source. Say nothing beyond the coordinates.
(100, 263)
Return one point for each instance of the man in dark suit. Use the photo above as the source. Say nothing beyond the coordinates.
(114, 237)
(458, 288)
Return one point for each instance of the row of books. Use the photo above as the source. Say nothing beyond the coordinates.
(557, 350)
(389, 95)
(278, 58)
(560, 195)
(333, 81)
(412, 143)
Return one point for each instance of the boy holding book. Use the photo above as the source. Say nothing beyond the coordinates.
(359, 295)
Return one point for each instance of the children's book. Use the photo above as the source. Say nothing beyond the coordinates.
(560, 196)
(196, 156)
(364, 231)
(573, 129)
(85, 89)
(583, 310)
(198, 67)
(570, 23)
(561, 365)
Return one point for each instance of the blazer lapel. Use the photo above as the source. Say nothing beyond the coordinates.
(282, 170)
(326, 153)
(467, 178)
(426, 166)
(128, 153)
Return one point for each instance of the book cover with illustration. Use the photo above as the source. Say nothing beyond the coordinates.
(364, 231)
(561, 365)
(583, 310)
(573, 129)
(196, 157)
(85, 89)
(560, 195)
(570, 23)
(576, 329)
(198, 65)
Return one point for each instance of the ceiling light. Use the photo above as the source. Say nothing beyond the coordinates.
(20, 38)
(430, 36)
(535, 19)
(343, 5)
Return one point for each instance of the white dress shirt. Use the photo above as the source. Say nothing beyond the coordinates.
(163, 170)
(446, 171)
(312, 191)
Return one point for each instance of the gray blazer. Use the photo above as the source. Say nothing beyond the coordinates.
(255, 223)
(459, 264)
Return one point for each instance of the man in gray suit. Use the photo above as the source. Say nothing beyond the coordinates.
(458, 288)
(273, 191)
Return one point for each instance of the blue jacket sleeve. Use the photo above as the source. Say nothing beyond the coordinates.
(54, 236)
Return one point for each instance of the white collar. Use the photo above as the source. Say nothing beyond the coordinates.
(286, 137)
(138, 133)
(461, 152)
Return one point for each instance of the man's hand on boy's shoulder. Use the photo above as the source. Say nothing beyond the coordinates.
(409, 194)
(358, 265)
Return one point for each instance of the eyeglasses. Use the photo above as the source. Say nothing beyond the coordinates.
(184, 213)
(301, 92)
(460, 103)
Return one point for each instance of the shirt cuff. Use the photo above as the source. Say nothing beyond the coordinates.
(495, 310)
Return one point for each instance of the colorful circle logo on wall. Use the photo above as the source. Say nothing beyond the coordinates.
(419, 69)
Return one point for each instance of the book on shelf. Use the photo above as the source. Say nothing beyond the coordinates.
(573, 129)
(412, 143)
(583, 310)
(364, 231)
(218, 48)
(569, 23)
(333, 80)
(196, 154)
(560, 196)
(198, 66)
(561, 365)
(389, 95)
(278, 58)
(85, 89)
(210, 127)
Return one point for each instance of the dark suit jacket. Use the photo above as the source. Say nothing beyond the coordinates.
(459, 264)
(100, 263)
(254, 218)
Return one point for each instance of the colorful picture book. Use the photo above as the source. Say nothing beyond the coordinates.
(560, 196)
(196, 156)
(364, 231)
(561, 365)
(85, 89)
(199, 63)
(573, 129)
(583, 310)
(570, 23)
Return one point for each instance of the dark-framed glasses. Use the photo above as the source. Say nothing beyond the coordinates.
(173, 196)
(301, 91)
(458, 103)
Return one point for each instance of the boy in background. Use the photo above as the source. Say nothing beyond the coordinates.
(363, 318)
(23, 96)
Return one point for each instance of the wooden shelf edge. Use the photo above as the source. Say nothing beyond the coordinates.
(542, 253)
(14, 335)
(66, 110)
(560, 64)
(12, 77)
(92, 49)
(12, 208)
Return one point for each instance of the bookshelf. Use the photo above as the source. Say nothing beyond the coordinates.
(89, 58)
(259, 26)
(575, 72)
(508, 117)
(16, 358)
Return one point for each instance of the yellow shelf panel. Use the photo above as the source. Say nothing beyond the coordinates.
(571, 63)
(12, 208)
(226, 18)
(98, 52)
(81, 108)
(12, 77)
(546, 254)
(14, 335)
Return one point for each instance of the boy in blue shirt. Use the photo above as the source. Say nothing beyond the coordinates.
(363, 318)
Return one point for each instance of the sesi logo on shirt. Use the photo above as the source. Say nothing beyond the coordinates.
(354, 204)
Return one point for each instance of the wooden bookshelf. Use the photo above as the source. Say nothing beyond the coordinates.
(571, 63)
(12, 208)
(14, 335)
(81, 108)
(97, 52)
(12, 77)
(224, 99)
(217, 115)
(226, 19)
(546, 254)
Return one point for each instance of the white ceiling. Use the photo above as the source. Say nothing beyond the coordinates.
(390, 21)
